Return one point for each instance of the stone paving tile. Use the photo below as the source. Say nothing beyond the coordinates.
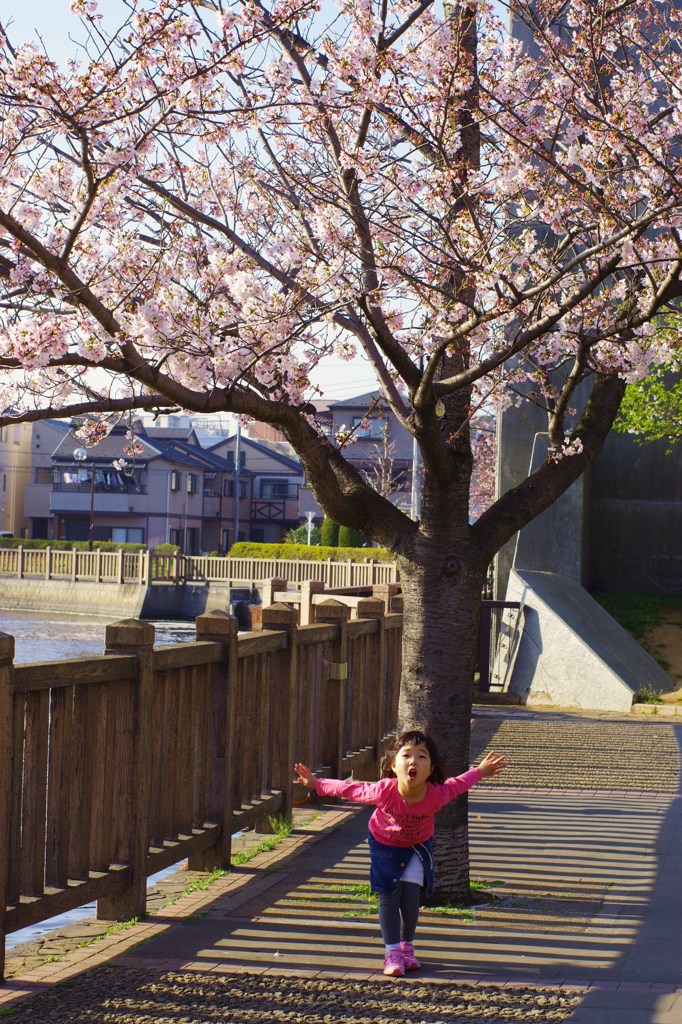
(612, 924)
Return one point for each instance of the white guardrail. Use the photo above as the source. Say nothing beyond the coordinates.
(146, 568)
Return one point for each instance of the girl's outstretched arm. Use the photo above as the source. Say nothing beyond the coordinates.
(305, 776)
(492, 764)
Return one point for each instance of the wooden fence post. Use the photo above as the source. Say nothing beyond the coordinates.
(134, 778)
(337, 680)
(373, 608)
(386, 592)
(282, 617)
(271, 589)
(6, 755)
(221, 628)
(308, 588)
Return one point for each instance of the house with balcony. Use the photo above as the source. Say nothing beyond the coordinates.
(275, 476)
(170, 491)
(378, 446)
(226, 500)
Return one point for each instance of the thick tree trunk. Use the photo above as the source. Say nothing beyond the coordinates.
(442, 596)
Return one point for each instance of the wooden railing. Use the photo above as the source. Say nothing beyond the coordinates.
(113, 767)
(146, 568)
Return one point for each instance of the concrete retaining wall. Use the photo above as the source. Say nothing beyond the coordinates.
(113, 600)
(120, 600)
(571, 653)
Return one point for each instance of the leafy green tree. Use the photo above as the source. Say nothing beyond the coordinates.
(652, 408)
(299, 535)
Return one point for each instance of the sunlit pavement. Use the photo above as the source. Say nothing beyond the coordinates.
(583, 916)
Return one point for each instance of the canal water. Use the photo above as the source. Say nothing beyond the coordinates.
(44, 636)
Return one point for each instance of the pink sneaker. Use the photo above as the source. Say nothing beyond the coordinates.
(394, 965)
(410, 961)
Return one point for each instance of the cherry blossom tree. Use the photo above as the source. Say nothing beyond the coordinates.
(219, 195)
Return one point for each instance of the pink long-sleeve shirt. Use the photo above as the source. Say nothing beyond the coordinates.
(395, 822)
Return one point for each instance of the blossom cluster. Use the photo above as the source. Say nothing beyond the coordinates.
(224, 200)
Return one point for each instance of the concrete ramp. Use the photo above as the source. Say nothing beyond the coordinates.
(570, 653)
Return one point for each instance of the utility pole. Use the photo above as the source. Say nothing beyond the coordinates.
(237, 480)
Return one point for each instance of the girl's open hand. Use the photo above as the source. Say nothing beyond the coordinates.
(492, 764)
(304, 776)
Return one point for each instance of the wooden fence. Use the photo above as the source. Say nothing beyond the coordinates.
(146, 568)
(113, 767)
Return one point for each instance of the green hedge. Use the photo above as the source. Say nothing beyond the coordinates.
(67, 545)
(249, 549)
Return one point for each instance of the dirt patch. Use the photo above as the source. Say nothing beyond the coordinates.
(664, 643)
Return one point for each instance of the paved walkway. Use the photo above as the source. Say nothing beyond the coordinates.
(580, 849)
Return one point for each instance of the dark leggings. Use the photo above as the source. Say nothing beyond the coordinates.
(399, 912)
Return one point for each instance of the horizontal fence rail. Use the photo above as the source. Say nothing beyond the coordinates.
(148, 569)
(119, 765)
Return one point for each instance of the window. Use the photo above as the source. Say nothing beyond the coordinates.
(127, 535)
(367, 426)
(191, 483)
(274, 488)
(43, 475)
(175, 480)
(228, 488)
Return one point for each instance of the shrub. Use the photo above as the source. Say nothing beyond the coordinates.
(647, 695)
(329, 534)
(350, 538)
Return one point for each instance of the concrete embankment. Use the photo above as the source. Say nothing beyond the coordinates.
(117, 600)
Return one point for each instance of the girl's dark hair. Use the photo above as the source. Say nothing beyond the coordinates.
(414, 736)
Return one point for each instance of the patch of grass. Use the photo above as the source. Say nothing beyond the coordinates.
(452, 910)
(347, 892)
(281, 825)
(600, 905)
(483, 884)
(50, 959)
(120, 926)
(199, 884)
(637, 613)
(267, 844)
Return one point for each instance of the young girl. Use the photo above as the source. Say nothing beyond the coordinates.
(413, 788)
